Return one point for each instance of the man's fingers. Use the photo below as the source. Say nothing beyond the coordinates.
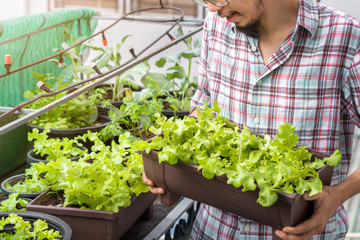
(150, 184)
(156, 190)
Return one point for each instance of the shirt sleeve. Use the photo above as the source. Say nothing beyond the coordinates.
(351, 90)
(202, 94)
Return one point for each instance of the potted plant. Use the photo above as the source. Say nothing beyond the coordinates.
(28, 184)
(175, 86)
(32, 225)
(46, 149)
(104, 198)
(70, 119)
(135, 116)
(109, 57)
(208, 161)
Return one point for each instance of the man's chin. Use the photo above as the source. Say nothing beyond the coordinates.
(250, 30)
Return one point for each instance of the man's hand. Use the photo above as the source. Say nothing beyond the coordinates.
(150, 184)
(325, 205)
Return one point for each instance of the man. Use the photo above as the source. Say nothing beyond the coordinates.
(267, 62)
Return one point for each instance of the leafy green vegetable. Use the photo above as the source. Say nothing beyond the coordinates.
(175, 82)
(54, 148)
(135, 114)
(25, 230)
(105, 179)
(273, 164)
(78, 112)
(12, 203)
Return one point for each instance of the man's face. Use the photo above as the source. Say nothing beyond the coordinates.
(246, 14)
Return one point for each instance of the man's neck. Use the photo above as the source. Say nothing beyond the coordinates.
(279, 19)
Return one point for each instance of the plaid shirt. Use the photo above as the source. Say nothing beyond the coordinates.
(312, 82)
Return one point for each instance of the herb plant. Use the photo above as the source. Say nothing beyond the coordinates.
(72, 59)
(25, 230)
(175, 84)
(273, 164)
(110, 57)
(137, 115)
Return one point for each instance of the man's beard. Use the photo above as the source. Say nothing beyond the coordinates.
(251, 30)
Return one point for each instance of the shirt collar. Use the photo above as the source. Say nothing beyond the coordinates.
(308, 15)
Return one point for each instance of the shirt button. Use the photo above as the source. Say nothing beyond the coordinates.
(253, 48)
(247, 228)
(256, 120)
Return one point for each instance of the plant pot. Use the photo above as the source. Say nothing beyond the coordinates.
(73, 132)
(184, 179)
(179, 114)
(13, 147)
(13, 180)
(53, 222)
(94, 224)
(104, 110)
(32, 157)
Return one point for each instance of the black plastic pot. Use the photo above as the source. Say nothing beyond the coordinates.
(104, 110)
(53, 222)
(32, 157)
(12, 181)
(95, 224)
(179, 114)
(73, 132)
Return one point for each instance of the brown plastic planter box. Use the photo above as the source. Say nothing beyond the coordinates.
(94, 224)
(183, 179)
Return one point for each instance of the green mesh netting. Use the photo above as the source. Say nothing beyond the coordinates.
(38, 46)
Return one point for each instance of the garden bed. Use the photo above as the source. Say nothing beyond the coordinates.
(183, 179)
(94, 224)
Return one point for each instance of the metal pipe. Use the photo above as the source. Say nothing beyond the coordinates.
(86, 39)
(19, 106)
(103, 78)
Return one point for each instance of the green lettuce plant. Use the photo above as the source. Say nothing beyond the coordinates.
(78, 112)
(13, 203)
(248, 161)
(37, 230)
(104, 179)
(54, 148)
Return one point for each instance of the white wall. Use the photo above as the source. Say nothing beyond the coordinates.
(18, 8)
(351, 7)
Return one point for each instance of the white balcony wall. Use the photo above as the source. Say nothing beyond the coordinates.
(16, 8)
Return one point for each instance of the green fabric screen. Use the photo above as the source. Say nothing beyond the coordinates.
(29, 49)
